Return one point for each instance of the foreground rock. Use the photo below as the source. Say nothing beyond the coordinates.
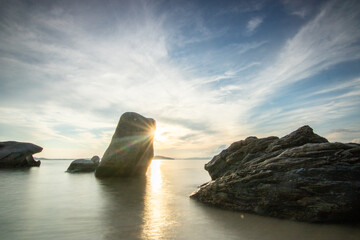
(18, 154)
(131, 149)
(300, 176)
(84, 165)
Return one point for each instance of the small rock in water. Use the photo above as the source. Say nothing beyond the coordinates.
(83, 165)
(95, 159)
(131, 149)
(18, 154)
(300, 176)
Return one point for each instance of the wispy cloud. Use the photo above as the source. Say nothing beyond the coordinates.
(349, 134)
(327, 40)
(253, 24)
(298, 8)
(303, 12)
(243, 7)
(245, 47)
(66, 68)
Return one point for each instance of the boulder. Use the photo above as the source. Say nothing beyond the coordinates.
(83, 165)
(95, 159)
(18, 154)
(300, 176)
(131, 149)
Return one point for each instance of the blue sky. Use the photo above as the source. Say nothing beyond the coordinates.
(209, 72)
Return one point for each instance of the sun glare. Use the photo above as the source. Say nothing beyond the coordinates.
(159, 134)
(155, 211)
(155, 176)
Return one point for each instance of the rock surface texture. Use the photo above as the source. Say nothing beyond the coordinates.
(131, 149)
(300, 176)
(18, 154)
(83, 165)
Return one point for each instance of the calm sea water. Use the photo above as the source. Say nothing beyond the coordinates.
(47, 203)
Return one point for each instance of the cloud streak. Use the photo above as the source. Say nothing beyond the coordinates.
(253, 24)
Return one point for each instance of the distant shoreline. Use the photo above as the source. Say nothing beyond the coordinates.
(163, 158)
(155, 158)
(58, 158)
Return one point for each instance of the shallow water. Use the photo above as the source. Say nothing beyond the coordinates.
(47, 203)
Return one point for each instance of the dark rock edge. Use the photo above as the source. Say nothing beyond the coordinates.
(301, 177)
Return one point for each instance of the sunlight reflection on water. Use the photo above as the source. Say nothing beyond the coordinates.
(154, 209)
(46, 203)
(155, 176)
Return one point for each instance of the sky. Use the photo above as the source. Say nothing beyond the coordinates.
(209, 72)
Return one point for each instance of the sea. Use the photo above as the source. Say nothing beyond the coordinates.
(49, 203)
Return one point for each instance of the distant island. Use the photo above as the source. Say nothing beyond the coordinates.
(41, 158)
(191, 158)
(195, 158)
(157, 157)
(163, 158)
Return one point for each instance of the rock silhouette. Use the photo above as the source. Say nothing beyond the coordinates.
(18, 154)
(300, 176)
(83, 165)
(131, 149)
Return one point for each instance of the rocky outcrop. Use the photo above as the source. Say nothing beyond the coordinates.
(83, 165)
(300, 176)
(18, 154)
(131, 149)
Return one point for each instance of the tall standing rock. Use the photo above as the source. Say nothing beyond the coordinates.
(131, 149)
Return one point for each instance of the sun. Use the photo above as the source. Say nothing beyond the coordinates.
(160, 134)
(157, 134)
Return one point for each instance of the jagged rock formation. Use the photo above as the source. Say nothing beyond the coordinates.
(18, 154)
(83, 165)
(131, 149)
(300, 176)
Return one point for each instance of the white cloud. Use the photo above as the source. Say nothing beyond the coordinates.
(344, 135)
(85, 81)
(245, 47)
(253, 24)
(298, 8)
(303, 12)
(128, 70)
(243, 7)
(353, 85)
(327, 40)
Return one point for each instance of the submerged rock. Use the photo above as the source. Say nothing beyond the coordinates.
(18, 154)
(131, 149)
(83, 165)
(300, 176)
